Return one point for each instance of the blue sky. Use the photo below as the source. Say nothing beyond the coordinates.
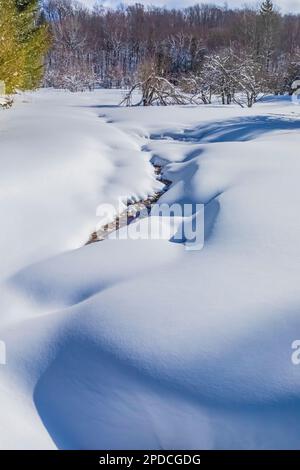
(284, 5)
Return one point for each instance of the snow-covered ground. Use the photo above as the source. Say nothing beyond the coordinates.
(142, 343)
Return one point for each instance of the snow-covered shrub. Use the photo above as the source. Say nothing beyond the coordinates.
(154, 89)
(73, 77)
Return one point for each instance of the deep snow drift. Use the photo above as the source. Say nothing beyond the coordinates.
(142, 343)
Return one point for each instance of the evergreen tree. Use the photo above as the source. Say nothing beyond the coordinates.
(268, 29)
(33, 37)
(267, 7)
(23, 42)
(11, 61)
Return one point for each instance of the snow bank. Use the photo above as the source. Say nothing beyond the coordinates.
(58, 163)
(143, 344)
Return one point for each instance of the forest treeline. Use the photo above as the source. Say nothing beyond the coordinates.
(169, 55)
(201, 47)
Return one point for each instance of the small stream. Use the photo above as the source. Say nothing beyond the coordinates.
(133, 211)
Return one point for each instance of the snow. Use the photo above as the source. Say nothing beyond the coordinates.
(295, 84)
(57, 164)
(143, 343)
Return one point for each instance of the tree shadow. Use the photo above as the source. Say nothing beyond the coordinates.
(240, 129)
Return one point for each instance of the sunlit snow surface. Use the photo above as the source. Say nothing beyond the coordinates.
(143, 344)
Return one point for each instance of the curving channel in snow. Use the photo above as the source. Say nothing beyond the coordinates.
(143, 344)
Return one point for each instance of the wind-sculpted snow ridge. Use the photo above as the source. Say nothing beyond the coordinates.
(143, 344)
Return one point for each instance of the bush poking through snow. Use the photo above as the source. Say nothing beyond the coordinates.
(233, 78)
(73, 77)
(155, 89)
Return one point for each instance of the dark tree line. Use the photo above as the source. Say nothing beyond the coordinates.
(205, 49)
